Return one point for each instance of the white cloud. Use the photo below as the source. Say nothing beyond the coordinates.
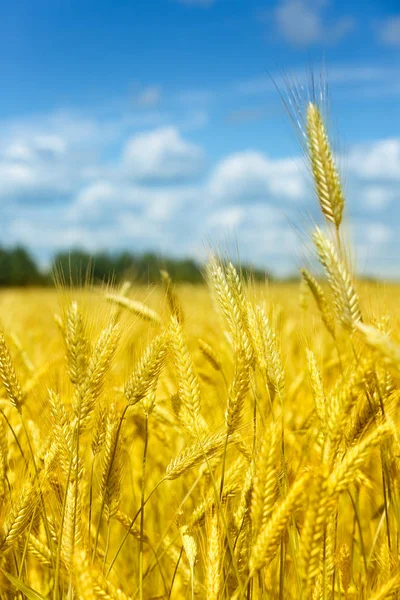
(25, 179)
(37, 235)
(15, 176)
(44, 158)
(30, 152)
(18, 151)
(240, 220)
(378, 197)
(230, 217)
(370, 239)
(31, 147)
(58, 131)
(48, 156)
(251, 175)
(46, 232)
(162, 154)
(301, 22)
(268, 240)
(50, 144)
(156, 203)
(389, 31)
(92, 199)
(376, 160)
(115, 189)
(377, 233)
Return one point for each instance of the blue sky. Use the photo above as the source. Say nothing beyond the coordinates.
(154, 124)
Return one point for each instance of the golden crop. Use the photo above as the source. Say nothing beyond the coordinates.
(225, 441)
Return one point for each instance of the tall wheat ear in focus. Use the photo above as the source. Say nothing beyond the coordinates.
(230, 440)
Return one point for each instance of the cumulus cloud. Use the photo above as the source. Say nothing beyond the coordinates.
(45, 157)
(377, 233)
(55, 229)
(250, 175)
(45, 145)
(389, 31)
(162, 154)
(34, 167)
(376, 160)
(302, 23)
(151, 189)
(157, 203)
(48, 129)
(379, 197)
(95, 197)
(230, 217)
(41, 237)
(254, 218)
(373, 244)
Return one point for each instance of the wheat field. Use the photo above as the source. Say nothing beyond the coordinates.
(231, 440)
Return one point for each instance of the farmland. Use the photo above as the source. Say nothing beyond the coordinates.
(227, 440)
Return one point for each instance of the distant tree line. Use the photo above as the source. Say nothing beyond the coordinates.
(18, 268)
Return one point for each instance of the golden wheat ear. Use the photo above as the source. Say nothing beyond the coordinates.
(196, 454)
(340, 280)
(174, 304)
(265, 481)
(110, 486)
(238, 389)
(266, 348)
(210, 354)
(230, 298)
(144, 378)
(98, 365)
(9, 376)
(134, 306)
(269, 538)
(188, 383)
(317, 389)
(327, 316)
(20, 515)
(386, 349)
(324, 170)
(76, 343)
